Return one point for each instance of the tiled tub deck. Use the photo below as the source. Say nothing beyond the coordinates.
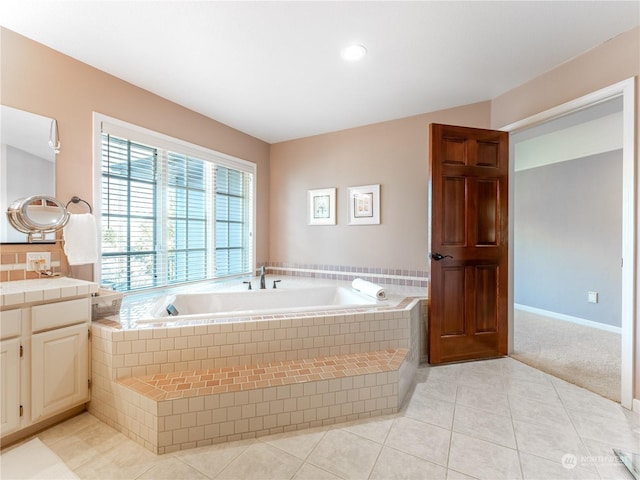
(177, 387)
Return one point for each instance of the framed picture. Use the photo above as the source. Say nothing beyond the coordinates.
(322, 206)
(364, 205)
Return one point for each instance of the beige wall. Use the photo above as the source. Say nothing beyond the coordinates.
(394, 154)
(40, 80)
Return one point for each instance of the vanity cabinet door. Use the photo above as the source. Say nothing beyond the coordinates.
(60, 370)
(9, 385)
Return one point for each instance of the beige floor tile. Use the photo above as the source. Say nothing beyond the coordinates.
(440, 388)
(484, 425)
(345, 454)
(420, 439)
(213, 459)
(482, 459)
(492, 406)
(170, 468)
(545, 393)
(613, 431)
(518, 370)
(449, 372)
(395, 465)
(493, 400)
(429, 410)
(299, 444)
(86, 444)
(576, 398)
(481, 378)
(68, 427)
(262, 461)
(535, 468)
(128, 460)
(533, 411)
(453, 475)
(375, 429)
(311, 472)
(548, 442)
(602, 456)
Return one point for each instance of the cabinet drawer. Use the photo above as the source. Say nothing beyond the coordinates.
(10, 321)
(60, 314)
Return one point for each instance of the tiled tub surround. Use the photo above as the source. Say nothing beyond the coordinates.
(128, 357)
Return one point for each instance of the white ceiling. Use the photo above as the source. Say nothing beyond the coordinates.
(273, 69)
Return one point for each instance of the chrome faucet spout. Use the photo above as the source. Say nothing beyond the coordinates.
(262, 281)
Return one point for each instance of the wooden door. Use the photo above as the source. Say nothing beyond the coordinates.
(468, 247)
(60, 370)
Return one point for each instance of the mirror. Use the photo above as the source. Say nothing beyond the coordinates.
(27, 163)
(37, 216)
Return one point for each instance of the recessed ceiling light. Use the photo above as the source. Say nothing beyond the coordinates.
(353, 52)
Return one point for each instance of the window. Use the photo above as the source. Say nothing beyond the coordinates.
(171, 212)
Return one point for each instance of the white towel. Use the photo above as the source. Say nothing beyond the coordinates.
(368, 288)
(81, 239)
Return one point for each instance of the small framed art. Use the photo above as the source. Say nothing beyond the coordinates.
(322, 206)
(364, 205)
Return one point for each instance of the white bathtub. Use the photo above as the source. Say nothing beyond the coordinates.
(212, 305)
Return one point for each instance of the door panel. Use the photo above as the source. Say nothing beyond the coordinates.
(453, 314)
(468, 211)
(453, 195)
(486, 305)
(487, 195)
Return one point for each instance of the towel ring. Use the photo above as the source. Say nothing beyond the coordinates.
(75, 199)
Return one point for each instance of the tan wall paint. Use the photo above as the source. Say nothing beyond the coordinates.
(614, 61)
(394, 154)
(609, 63)
(40, 80)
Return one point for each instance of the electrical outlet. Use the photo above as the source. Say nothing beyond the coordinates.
(592, 297)
(38, 261)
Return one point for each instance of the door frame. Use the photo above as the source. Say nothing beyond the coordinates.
(626, 89)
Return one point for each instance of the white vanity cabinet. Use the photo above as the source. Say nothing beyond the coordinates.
(10, 343)
(59, 356)
(44, 352)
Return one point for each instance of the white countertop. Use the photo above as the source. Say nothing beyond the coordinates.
(43, 289)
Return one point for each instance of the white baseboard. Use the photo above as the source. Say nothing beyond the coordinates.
(568, 318)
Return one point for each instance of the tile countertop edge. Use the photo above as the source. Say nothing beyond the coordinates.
(18, 292)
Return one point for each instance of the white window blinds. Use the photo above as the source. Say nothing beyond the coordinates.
(169, 217)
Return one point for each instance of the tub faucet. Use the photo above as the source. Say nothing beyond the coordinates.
(262, 282)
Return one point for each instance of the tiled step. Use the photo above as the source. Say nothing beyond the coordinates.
(180, 410)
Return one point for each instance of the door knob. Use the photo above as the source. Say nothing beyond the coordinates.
(438, 256)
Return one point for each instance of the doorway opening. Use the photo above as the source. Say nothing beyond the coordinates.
(568, 245)
(617, 96)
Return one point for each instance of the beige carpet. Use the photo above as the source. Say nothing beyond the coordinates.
(585, 356)
(33, 460)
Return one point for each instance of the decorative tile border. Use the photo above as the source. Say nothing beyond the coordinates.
(385, 276)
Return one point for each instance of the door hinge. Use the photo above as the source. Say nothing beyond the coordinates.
(21, 411)
(89, 384)
(89, 334)
(21, 351)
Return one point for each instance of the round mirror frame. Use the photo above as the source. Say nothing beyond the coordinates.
(19, 218)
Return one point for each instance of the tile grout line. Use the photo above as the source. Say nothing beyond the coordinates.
(513, 426)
